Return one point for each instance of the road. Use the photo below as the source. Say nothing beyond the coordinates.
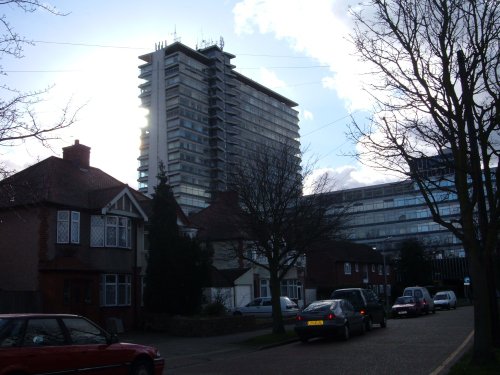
(411, 346)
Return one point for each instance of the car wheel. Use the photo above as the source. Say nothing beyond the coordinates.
(303, 339)
(369, 324)
(141, 368)
(346, 333)
(237, 313)
(363, 328)
(383, 323)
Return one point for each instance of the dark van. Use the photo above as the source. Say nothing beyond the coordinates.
(367, 303)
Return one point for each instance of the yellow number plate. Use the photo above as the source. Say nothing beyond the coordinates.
(315, 323)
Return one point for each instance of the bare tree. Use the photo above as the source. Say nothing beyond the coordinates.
(18, 119)
(436, 120)
(279, 220)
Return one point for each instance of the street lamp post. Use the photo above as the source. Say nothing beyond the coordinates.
(385, 284)
(385, 276)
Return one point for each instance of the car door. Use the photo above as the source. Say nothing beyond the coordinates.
(92, 350)
(254, 307)
(373, 305)
(38, 347)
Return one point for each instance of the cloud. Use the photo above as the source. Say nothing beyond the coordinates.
(318, 29)
(349, 177)
(270, 79)
(306, 115)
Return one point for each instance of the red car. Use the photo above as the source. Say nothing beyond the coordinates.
(406, 306)
(64, 343)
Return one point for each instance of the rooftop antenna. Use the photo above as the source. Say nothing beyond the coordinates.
(221, 43)
(176, 38)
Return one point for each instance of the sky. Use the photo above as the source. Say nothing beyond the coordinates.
(89, 57)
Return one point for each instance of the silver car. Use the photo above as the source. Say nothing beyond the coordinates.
(262, 307)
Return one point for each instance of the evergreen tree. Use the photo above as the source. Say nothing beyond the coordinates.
(413, 265)
(177, 267)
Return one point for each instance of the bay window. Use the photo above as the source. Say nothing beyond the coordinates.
(116, 290)
(110, 231)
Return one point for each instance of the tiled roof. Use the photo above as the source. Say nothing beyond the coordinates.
(225, 277)
(58, 181)
(344, 251)
(222, 220)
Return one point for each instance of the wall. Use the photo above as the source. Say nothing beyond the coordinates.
(19, 246)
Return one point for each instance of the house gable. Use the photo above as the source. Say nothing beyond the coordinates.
(124, 204)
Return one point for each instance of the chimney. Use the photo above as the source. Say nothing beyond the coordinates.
(78, 154)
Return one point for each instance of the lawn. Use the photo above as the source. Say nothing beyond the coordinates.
(463, 367)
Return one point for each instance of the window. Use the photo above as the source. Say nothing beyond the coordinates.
(264, 288)
(43, 332)
(116, 290)
(347, 268)
(356, 267)
(380, 268)
(110, 231)
(291, 288)
(82, 332)
(68, 227)
(373, 267)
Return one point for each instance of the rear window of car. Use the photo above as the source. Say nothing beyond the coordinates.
(354, 296)
(320, 306)
(440, 296)
(403, 300)
(10, 332)
(370, 296)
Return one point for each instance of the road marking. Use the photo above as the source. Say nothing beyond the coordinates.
(453, 355)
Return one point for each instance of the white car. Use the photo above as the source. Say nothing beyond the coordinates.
(445, 299)
(261, 307)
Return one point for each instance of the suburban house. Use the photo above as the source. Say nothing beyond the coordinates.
(326, 266)
(338, 264)
(72, 241)
(220, 228)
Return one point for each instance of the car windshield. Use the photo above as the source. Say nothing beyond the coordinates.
(404, 300)
(440, 297)
(320, 306)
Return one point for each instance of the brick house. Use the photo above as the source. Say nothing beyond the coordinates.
(220, 230)
(72, 241)
(337, 264)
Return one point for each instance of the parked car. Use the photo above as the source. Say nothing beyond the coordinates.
(421, 293)
(445, 299)
(406, 306)
(262, 307)
(69, 344)
(329, 317)
(367, 303)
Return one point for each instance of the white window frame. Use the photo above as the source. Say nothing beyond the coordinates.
(347, 268)
(265, 290)
(111, 231)
(291, 288)
(68, 227)
(116, 289)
